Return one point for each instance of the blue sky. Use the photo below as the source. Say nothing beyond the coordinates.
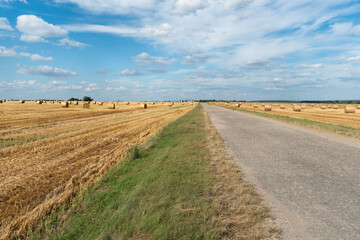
(180, 49)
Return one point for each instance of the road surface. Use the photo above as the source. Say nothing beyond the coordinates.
(310, 179)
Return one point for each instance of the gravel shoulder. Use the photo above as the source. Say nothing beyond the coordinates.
(309, 178)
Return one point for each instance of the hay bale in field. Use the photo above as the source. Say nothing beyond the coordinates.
(323, 107)
(111, 106)
(335, 106)
(282, 106)
(358, 107)
(1, 101)
(65, 104)
(329, 106)
(237, 105)
(39, 102)
(21, 101)
(268, 107)
(153, 103)
(144, 105)
(127, 103)
(255, 106)
(86, 105)
(349, 109)
(296, 108)
(52, 101)
(100, 103)
(93, 102)
(76, 103)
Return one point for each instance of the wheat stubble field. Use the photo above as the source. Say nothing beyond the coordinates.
(48, 153)
(326, 113)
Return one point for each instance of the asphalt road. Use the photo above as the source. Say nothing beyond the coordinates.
(310, 179)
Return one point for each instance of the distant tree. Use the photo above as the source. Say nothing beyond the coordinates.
(74, 99)
(87, 99)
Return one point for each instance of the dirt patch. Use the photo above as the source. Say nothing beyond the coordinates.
(239, 207)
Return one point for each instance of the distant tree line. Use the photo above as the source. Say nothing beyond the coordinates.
(85, 99)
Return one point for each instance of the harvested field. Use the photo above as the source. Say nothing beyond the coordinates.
(48, 153)
(335, 116)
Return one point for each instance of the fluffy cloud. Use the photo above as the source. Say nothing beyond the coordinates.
(145, 59)
(129, 72)
(112, 6)
(196, 58)
(353, 59)
(5, 52)
(316, 65)
(157, 70)
(35, 29)
(46, 71)
(184, 7)
(70, 43)
(5, 25)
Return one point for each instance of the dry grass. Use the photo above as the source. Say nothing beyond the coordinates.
(69, 149)
(240, 208)
(318, 113)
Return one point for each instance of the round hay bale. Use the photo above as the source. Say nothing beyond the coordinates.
(86, 105)
(65, 104)
(1, 101)
(349, 109)
(282, 106)
(303, 106)
(39, 102)
(268, 107)
(153, 103)
(358, 107)
(100, 103)
(21, 101)
(237, 105)
(127, 103)
(144, 105)
(335, 106)
(76, 103)
(297, 108)
(329, 106)
(323, 107)
(255, 106)
(93, 102)
(111, 106)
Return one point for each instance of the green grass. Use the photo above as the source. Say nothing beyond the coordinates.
(339, 129)
(162, 190)
(18, 141)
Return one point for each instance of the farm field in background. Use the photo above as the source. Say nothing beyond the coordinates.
(326, 113)
(48, 152)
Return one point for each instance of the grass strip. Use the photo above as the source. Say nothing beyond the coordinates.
(339, 129)
(162, 190)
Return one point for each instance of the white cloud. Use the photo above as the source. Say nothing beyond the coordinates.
(5, 52)
(196, 58)
(5, 25)
(32, 38)
(351, 59)
(35, 29)
(113, 6)
(70, 43)
(184, 7)
(37, 57)
(273, 89)
(47, 71)
(341, 28)
(129, 72)
(157, 70)
(146, 59)
(316, 65)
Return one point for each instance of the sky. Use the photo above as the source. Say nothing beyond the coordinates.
(180, 49)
